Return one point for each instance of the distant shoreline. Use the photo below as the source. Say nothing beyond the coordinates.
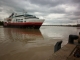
(62, 25)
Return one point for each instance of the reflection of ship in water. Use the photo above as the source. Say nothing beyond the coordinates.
(22, 35)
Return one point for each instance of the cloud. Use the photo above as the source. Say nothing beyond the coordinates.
(48, 3)
(53, 11)
(76, 1)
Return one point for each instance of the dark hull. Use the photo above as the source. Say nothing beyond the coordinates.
(29, 26)
(26, 26)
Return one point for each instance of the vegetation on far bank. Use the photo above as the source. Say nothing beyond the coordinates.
(1, 23)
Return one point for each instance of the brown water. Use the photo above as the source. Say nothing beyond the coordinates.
(30, 44)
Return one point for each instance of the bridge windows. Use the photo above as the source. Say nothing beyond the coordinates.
(19, 20)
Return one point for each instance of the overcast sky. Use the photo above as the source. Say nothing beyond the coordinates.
(53, 11)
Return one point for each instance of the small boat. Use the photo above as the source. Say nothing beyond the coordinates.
(23, 21)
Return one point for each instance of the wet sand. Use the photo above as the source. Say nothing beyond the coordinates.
(37, 53)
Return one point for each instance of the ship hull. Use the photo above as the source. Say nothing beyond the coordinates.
(29, 25)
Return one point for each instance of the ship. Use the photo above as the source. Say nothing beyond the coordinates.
(24, 20)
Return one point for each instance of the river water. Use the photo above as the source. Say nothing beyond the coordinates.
(31, 44)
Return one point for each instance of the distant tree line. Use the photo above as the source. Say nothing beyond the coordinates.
(1, 23)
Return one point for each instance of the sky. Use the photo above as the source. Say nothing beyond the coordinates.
(53, 11)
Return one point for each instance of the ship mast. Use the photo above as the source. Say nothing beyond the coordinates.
(24, 12)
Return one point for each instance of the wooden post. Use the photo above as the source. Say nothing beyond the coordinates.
(72, 38)
(57, 46)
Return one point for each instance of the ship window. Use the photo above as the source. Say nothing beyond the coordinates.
(26, 18)
(20, 21)
(16, 19)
